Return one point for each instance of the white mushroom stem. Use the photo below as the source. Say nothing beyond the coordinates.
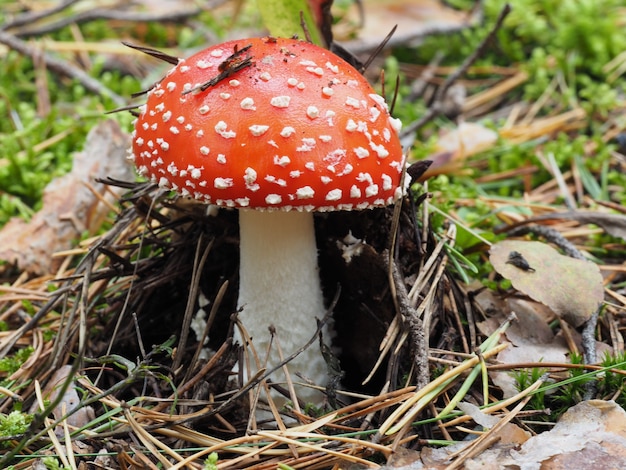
(279, 286)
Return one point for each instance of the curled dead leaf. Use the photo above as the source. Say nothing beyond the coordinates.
(69, 207)
(57, 384)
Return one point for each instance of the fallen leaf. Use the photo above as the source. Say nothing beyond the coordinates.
(474, 412)
(572, 288)
(69, 208)
(590, 435)
(403, 458)
(468, 138)
(508, 437)
(68, 402)
(531, 338)
(555, 352)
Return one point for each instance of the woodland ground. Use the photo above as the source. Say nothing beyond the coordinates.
(490, 303)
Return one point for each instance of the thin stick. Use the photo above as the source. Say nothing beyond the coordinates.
(34, 16)
(438, 102)
(199, 261)
(255, 380)
(174, 16)
(60, 67)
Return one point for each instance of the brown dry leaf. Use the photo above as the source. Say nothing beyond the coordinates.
(414, 18)
(590, 435)
(507, 439)
(69, 207)
(104, 460)
(532, 340)
(509, 434)
(572, 288)
(555, 352)
(403, 458)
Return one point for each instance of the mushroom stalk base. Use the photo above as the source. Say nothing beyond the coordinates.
(279, 286)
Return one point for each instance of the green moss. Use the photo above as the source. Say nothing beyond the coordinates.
(611, 381)
(52, 463)
(10, 364)
(14, 424)
(571, 39)
(26, 164)
(211, 461)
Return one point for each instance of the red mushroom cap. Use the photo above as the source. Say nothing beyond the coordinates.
(279, 124)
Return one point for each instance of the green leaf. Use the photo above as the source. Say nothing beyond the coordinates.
(282, 18)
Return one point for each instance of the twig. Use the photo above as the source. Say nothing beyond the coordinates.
(60, 66)
(199, 261)
(33, 16)
(243, 390)
(416, 329)
(378, 50)
(217, 301)
(160, 55)
(438, 103)
(174, 16)
(305, 28)
(588, 340)
(122, 225)
(202, 374)
(419, 86)
(232, 64)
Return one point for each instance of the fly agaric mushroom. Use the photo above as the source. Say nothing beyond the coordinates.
(277, 128)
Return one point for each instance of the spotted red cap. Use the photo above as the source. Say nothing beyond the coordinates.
(270, 123)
